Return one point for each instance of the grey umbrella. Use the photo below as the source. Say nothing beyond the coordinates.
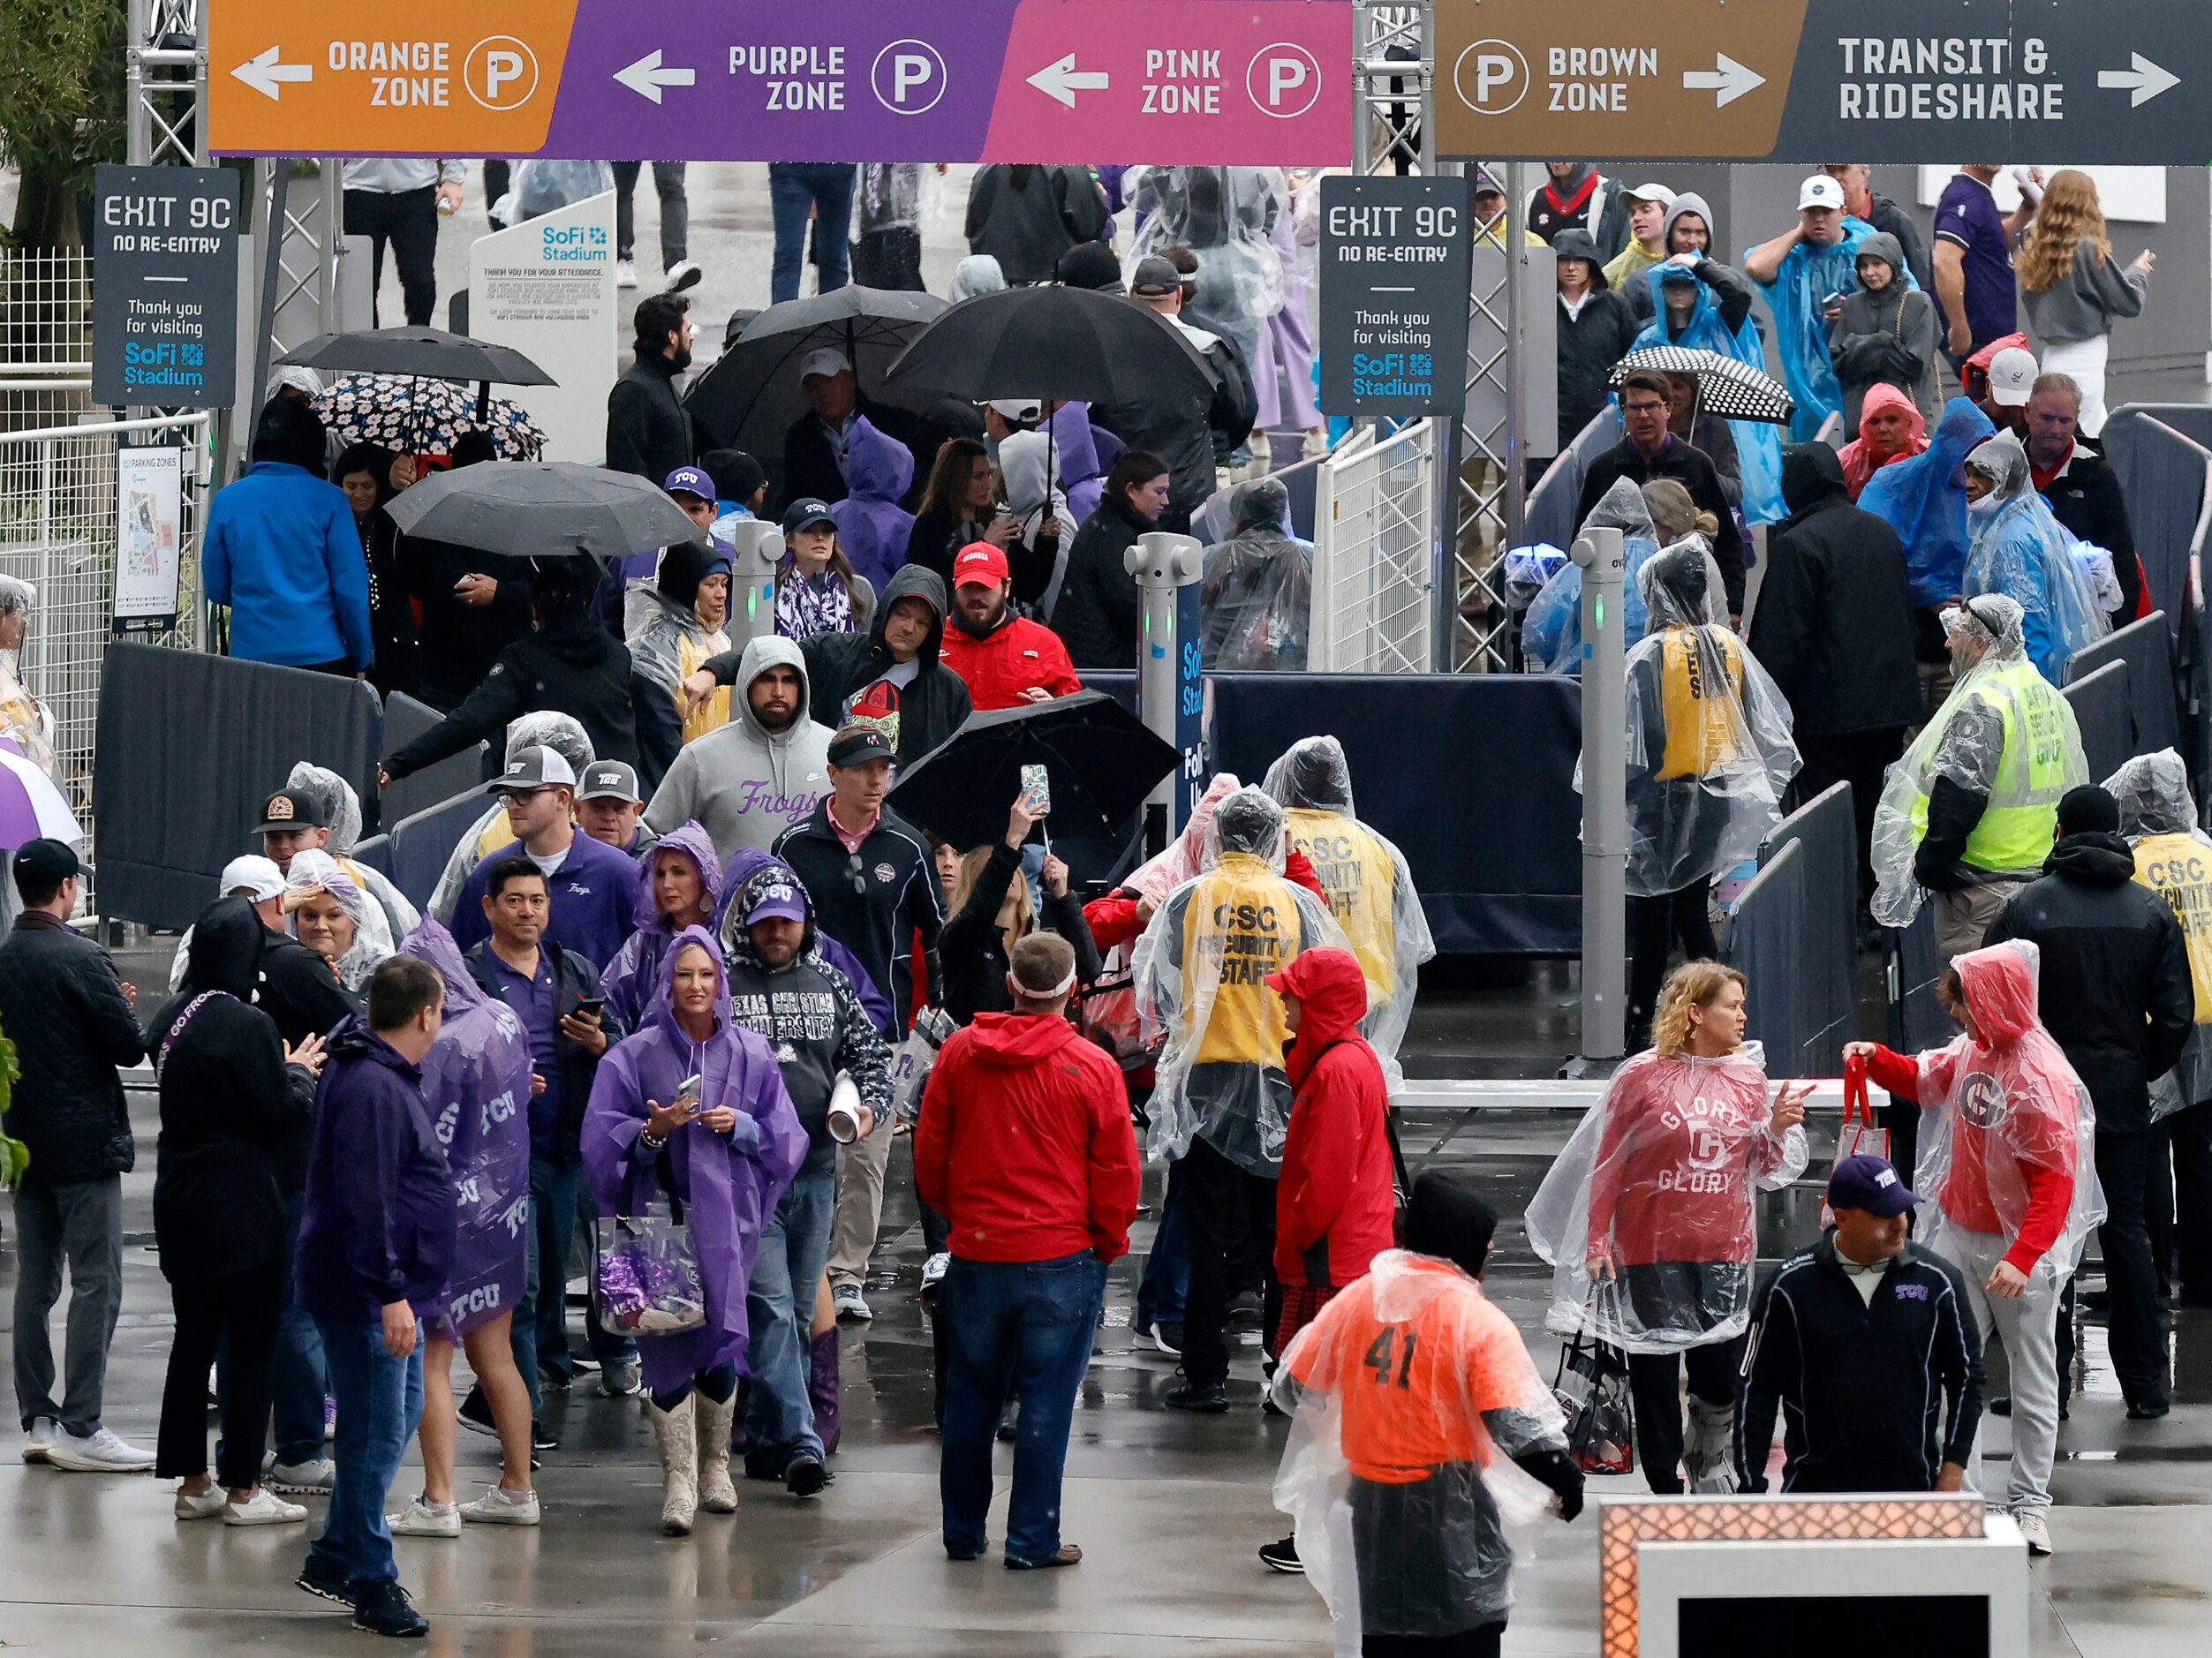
(542, 509)
(426, 353)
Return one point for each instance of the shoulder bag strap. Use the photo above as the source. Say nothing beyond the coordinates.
(161, 1058)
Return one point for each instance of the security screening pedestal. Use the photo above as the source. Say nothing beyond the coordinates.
(758, 550)
(1605, 804)
(1160, 563)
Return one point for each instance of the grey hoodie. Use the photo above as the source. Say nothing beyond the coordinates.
(742, 784)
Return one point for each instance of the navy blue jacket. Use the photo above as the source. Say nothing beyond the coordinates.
(594, 896)
(377, 1223)
(556, 1115)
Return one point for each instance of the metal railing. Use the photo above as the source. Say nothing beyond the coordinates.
(45, 336)
(1373, 570)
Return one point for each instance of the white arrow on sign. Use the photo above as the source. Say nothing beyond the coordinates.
(646, 77)
(266, 76)
(1062, 81)
(1731, 79)
(2146, 80)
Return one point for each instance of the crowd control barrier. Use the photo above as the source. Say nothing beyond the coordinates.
(405, 720)
(1917, 1019)
(2155, 711)
(2102, 710)
(1551, 518)
(189, 749)
(1472, 775)
(421, 844)
(1760, 940)
(375, 852)
(2162, 453)
(1804, 926)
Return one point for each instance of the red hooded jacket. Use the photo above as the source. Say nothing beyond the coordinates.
(1009, 660)
(1334, 1204)
(1025, 1142)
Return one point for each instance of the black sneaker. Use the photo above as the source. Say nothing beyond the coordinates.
(2147, 1410)
(542, 1438)
(329, 1588)
(1209, 1399)
(1244, 1311)
(805, 1476)
(2001, 1404)
(476, 1413)
(1282, 1556)
(385, 1610)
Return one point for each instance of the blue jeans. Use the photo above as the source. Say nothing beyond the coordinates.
(780, 1306)
(380, 1403)
(297, 1377)
(1166, 1280)
(540, 1332)
(794, 187)
(1023, 1328)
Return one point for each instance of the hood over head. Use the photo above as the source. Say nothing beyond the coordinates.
(290, 432)
(977, 274)
(912, 581)
(1622, 508)
(1448, 1218)
(1920, 498)
(1885, 247)
(1884, 396)
(1689, 201)
(1248, 821)
(1680, 587)
(686, 565)
(1811, 474)
(1332, 992)
(2153, 793)
(2001, 983)
(694, 844)
(430, 942)
(1186, 855)
(227, 941)
(1262, 505)
(1028, 460)
(661, 1010)
(564, 734)
(769, 875)
(2004, 462)
(877, 467)
(2095, 857)
(1313, 774)
(341, 806)
(1996, 620)
(1576, 243)
(769, 650)
(17, 596)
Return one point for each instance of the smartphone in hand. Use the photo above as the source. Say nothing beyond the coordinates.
(1037, 791)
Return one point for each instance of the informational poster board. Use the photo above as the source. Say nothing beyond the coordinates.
(150, 527)
(1394, 273)
(165, 309)
(547, 288)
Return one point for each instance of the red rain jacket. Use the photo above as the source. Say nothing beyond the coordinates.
(1334, 1204)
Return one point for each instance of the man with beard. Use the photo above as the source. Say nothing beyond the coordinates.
(747, 782)
(648, 430)
(1005, 659)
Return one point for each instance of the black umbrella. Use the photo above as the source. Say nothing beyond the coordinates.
(1732, 389)
(426, 353)
(1067, 343)
(1101, 759)
(542, 509)
(752, 396)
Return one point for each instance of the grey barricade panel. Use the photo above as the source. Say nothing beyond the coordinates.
(1472, 775)
(189, 747)
(1824, 983)
(1917, 1019)
(376, 854)
(405, 720)
(2158, 451)
(1763, 940)
(421, 844)
(2147, 647)
(2108, 723)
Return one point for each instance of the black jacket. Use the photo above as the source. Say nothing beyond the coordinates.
(62, 1006)
(2115, 989)
(971, 950)
(397, 664)
(1591, 342)
(557, 1136)
(580, 671)
(1694, 469)
(236, 1120)
(1834, 625)
(936, 539)
(648, 430)
(1100, 614)
(1864, 1388)
(2087, 499)
(459, 642)
(1604, 218)
(1187, 432)
(898, 902)
(1026, 217)
(296, 989)
(812, 466)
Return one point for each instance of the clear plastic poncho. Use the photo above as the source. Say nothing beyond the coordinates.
(1921, 498)
(1225, 215)
(1660, 1181)
(1201, 974)
(1410, 1513)
(1258, 589)
(2021, 550)
(23, 718)
(316, 871)
(343, 807)
(1969, 752)
(565, 735)
(1807, 276)
(1710, 752)
(2173, 857)
(1551, 631)
(1758, 442)
(2004, 1114)
(1369, 883)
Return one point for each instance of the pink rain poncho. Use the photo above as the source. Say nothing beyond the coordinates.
(1660, 1179)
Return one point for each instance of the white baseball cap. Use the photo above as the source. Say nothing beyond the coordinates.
(257, 876)
(1018, 411)
(2012, 373)
(825, 360)
(1657, 193)
(1820, 190)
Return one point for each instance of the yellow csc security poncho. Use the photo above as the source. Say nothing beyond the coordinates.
(2173, 857)
(1201, 973)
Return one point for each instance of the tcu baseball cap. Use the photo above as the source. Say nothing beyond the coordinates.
(1869, 1183)
(690, 480)
(780, 900)
(979, 565)
(805, 513)
(534, 768)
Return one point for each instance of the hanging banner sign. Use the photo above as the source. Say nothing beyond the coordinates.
(165, 293)
(1394, 260)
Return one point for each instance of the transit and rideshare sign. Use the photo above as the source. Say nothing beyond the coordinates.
(1225, 82)
(2107, 81)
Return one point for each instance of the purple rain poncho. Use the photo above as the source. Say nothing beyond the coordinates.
(728, 1187)
(476, 1085)
(630, 978)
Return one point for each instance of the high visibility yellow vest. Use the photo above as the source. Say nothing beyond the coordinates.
(1701, 719)
(1239, 923)
(2017, 830)
(1361, 878)
(2178, 868)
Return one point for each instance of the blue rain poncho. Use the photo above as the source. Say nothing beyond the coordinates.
(1758, 442)
(1551, 632)
(1808, 274)
(2021, 551)
(1923, 501)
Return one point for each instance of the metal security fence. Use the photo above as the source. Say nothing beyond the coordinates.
(1373, 572)
(45, 337)
(59, 532)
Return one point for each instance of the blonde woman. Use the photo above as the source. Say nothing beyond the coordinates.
(1673, 514)
(1648, 1217)
(2073, 289)
(992, 910)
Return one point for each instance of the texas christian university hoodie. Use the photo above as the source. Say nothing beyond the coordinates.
(742, 784)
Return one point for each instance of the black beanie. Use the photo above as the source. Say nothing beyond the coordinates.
(1448, 1217)
(2088, 809)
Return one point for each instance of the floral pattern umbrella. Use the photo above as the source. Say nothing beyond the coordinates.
(425, 416)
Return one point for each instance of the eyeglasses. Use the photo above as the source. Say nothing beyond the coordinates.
(854, 873)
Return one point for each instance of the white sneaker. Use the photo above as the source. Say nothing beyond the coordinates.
(312, 1478)
(423, 1519)
(683, 275)
(263, 1508)
(192, 1505)
(499, 1507)
(2035, 1527)
(100, 1452)
(625, 273)
(850, 1303)
(39, 1438)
